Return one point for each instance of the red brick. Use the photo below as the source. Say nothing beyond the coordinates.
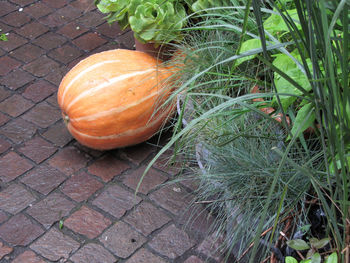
(43, 115)
(144, 256)
(151, 180)
(92, 152)
(212, 246)
(44, 179)
(52, 100)
(92, 19)
(58, 134)
(14, 41)
(89, 41)
(15, 198)
(108, 167)
(28, 257)
(53, 20)
(122, 240)
(23, 2)
(137, 154)
(32, 30)
(126, 40)
(4, 145)
(55, 3)
(20, 231)
(84, 5)
(171, 242)
(16, 19)
(93, 253)
(72, 30)
(39, 91)
(87, 222)
(4, 93)
(7, 64)
(49, 41)
(110, 30)
(3, 118)
(51, 209)
(65, 54)
(81, 186)
(165, 163)
(15, 105)
(69, 13)
(42, 66)
(69, 160)
(16, 79)
(173, 198)
(3, 217)
(56, 76)
(12, 166)
(193, 259)
(6, 7)
(55, 246)
(146, 218)
(18, 130)
(5, 28)
(4, 250)
(28, 53)
(38, 10)
(116, 201)
(37, 149)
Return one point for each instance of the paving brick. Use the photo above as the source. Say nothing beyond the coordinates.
(42, 66)
(4, 145)
(14, 41)
(171, 242)
(93, 253)
(72, 30)
(16, 79)
(144, 256)
(49, 41)
(3, 217)
(146, 218)
(39, 91)
(81, 186)
(43, 115)
(18, 130)
(43, 179)
(91, 19)
(166, 164)
(151, 180)
(28, 257)
(122, 240)
(83, 5)
(137, 154)
(15, 198)
(37, 149)
(51, 209)
(116, 201)
(69, 13)
(32, 30)
(4, 93)
(6, 7)
(110, 30)
(89, 41)
(4, 250)
(172, 198)
(87, 222)
(193, 259)
(3, 118)
(69, 160)
(23, 2)
(8, 64)
(16, 19)
(56, 3)
(212, 246)
(20, 231)
(58, 134)
(15, 105)
(56, 76)
(38, 10)
(52, 100)
(28, 53)
(5, 28)
(92, 152)
(126, 40)
(54, 20)
(12, 166)
(55, 246)
(107, 167)
(65, 54)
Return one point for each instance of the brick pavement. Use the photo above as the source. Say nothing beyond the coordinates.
(47, 178)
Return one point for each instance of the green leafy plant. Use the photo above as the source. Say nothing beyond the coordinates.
(3, 37)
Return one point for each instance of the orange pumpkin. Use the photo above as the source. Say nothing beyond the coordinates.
(111, 99)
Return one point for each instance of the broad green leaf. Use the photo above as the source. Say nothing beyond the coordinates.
(275, 23)
(305, 261)
(247, 46)
(290, 260)
(298, 244)
(316, 258)
(333, 258)
(316, 243)
(300, 122)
